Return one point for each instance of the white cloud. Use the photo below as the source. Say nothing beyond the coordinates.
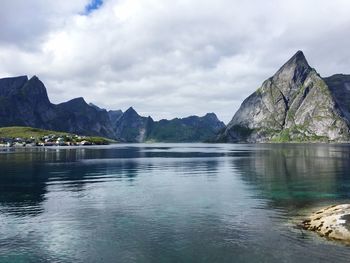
(168, 58)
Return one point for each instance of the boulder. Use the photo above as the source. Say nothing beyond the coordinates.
(332, 222)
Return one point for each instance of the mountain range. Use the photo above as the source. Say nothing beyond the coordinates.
(24, 102)
(294, 105)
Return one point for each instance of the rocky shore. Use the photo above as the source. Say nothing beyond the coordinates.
(332, 222)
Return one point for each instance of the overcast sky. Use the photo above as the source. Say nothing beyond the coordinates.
(168, 58)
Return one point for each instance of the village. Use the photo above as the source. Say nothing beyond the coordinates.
(52, 140)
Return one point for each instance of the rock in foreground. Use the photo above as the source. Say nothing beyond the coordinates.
(332, 222)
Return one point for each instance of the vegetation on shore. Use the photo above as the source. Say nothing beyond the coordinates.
(40, 136)
(26, 132)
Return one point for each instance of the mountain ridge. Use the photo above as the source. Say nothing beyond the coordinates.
(294, 105)
(25, 102)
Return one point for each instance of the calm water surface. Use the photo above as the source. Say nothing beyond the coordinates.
(169, 203)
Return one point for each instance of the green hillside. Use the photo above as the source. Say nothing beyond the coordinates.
(26, 132)
(29, 132)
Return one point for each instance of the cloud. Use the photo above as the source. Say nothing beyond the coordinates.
(168, 58)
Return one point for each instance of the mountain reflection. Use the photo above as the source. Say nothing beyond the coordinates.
(151, 203)
(23, 191)
(285, 175)
(28, 175)
(297, 175)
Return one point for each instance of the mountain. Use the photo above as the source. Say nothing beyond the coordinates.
(76, 116)
(24, 102)
(295, 104)
(131, 127)
(188, 129)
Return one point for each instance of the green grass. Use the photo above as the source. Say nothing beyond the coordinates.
(100, 140)
(297, 134)
(26, 132)
(29, 132)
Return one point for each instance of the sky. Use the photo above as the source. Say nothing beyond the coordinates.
(168, 58)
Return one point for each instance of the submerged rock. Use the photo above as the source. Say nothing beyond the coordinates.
(332, 222)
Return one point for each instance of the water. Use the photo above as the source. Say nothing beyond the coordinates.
(169, 203)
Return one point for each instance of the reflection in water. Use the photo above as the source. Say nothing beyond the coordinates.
(23, 191)
(26, 173)
(168, 202)
(298, 175)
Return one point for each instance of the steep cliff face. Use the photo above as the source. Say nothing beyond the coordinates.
(295, 104)
(24, 102)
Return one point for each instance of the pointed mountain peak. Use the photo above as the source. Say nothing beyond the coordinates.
(35, 86)
(130, 114)
(211, 115)
(34, 78)
(298, 58)
(36, 82)
(296, 68)
(299, 54)
(131, 111)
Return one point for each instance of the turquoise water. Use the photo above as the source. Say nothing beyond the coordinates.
(169, 203)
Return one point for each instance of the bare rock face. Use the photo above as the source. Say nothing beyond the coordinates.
(295, 104)
(331, 222)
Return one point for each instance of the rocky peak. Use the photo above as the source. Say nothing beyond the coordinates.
(211, 116)
(131, 113)
(292, 75)
(76, 105)
(294, 104)
(35, 91)
(296, 64)
(131, 127)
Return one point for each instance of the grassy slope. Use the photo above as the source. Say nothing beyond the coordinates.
(27, 132)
